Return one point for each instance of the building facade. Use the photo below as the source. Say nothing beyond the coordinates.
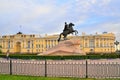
(31, 44)
(98, 43)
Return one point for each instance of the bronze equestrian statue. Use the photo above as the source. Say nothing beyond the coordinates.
(68, 29)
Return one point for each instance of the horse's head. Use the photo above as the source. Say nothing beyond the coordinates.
(71, 24)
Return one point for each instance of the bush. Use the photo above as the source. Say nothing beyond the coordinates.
(79, 57)
(0, 52)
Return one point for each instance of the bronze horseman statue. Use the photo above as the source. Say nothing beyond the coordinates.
(68, 29)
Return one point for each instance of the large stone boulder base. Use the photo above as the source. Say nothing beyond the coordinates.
(67, 47)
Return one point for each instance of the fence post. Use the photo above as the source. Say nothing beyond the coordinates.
(10, 67)
(86, 69)
(45, 68)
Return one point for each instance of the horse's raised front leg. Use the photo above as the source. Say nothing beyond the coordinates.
(76, 32)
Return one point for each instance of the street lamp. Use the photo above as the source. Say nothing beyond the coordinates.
(116, 43)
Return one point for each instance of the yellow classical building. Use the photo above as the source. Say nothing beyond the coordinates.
(98, 43)
(31, 44)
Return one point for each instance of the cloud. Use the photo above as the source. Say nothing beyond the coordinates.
(46, 16)
(112, 27)
(107, 27)
(88, 6)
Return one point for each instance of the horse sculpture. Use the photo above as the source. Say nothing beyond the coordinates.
(67, 30)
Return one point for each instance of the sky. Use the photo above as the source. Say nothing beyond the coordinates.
(49, 16)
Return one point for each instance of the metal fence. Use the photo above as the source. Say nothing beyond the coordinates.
(28, 67)
(4, 66)
(67, 68)
(104, 68)
(62, 68)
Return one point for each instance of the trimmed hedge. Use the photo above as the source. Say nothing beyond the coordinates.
(90, 56)
(0, 52)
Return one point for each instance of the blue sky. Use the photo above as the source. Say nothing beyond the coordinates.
(48, 16)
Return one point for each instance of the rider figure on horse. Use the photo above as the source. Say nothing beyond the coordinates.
(66, 28)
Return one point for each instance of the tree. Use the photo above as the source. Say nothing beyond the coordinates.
(116, 43)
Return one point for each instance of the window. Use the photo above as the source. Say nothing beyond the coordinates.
(28, 44)
(91, 50)
(105, 49)
(91, 43)
(36, 46)
(101, 45)
(86, 45)
(8, 44)
(85, 39)
(32, 45)
(3, 44)
(104, 44)
(97, 45)
(36, 50)
(30, 35)
(28, 51)
(81, 45)
(107, 45)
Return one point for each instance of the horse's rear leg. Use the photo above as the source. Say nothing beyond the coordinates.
(65, 37)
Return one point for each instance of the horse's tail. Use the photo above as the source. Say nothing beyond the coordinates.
(60, 37)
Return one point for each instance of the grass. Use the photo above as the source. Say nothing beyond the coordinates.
(109, 79)
(14, 77)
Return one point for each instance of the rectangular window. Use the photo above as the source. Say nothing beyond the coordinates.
(36, 46)
(97, 45)
(32, 45)
(28, 44)
(8, 44)
(91, 43)
(86, 45)
(101, 45)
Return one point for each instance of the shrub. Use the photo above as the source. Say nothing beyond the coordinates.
(79, 57)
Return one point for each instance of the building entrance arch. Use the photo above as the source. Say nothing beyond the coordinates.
(18, 47)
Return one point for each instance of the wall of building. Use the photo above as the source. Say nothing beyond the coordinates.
(22, 43)
(98, 43)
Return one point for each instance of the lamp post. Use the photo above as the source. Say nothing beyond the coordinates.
(8, 50)
(116, 43)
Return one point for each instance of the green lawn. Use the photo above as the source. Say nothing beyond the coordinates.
(13, 77)
(108, 79)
